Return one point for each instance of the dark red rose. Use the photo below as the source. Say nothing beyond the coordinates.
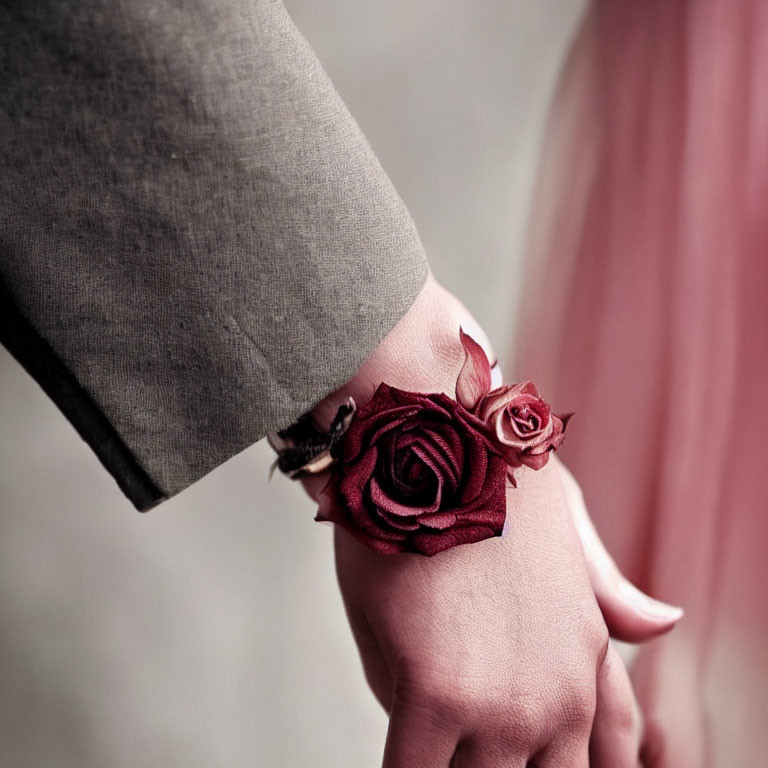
(521, 424)
(413, 475)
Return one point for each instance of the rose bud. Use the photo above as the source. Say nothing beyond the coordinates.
(520, 423)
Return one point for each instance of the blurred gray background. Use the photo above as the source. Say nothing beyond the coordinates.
(210, 633)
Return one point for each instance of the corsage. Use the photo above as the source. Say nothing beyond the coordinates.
(416, 472)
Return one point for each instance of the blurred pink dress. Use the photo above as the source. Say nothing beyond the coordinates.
(646, 313)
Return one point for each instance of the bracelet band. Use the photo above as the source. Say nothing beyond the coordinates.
(302, 449)
(420, 472)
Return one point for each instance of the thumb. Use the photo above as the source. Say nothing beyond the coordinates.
(629, 613)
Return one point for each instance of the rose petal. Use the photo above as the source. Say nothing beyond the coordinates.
(505, 435)
(474, 379)
(511, 455)
(334, 508)
(438, 450)
(497, 399)
(430, 544)
(489, 515)
(535, 461)
(398, 474)
(386, 502)
(492, 496)
(398, 521)
(508, 431)
(450, 440)
(555, 441)
(439, 520)
(387, 405)
(480, 428)
(439, 465)
(475, 467)
(354, 490)
(440, 408)
(527, 421)
(368, 430)
(355, 477)
(383, 547)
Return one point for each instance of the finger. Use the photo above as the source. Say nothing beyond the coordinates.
(630, 614)
(480, 754)
(573, 754)
(489, 752)
(617, 729)
(486, 761)
(416, 737)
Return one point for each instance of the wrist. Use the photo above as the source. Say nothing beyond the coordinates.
(421, 353)
(421, 471)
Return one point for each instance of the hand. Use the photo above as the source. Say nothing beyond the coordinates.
(495, 651)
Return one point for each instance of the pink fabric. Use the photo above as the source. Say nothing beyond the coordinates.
(647, 314)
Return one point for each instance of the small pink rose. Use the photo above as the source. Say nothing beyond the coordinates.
(516, 418)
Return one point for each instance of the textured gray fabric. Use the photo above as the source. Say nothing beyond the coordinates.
(191, 220)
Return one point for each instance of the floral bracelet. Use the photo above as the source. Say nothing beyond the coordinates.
(416, 472)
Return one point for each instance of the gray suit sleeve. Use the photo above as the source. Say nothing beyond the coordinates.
(196, 242)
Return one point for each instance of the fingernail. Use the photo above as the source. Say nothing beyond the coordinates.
(649, 606)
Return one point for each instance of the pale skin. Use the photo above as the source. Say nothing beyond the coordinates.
(495, 654)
